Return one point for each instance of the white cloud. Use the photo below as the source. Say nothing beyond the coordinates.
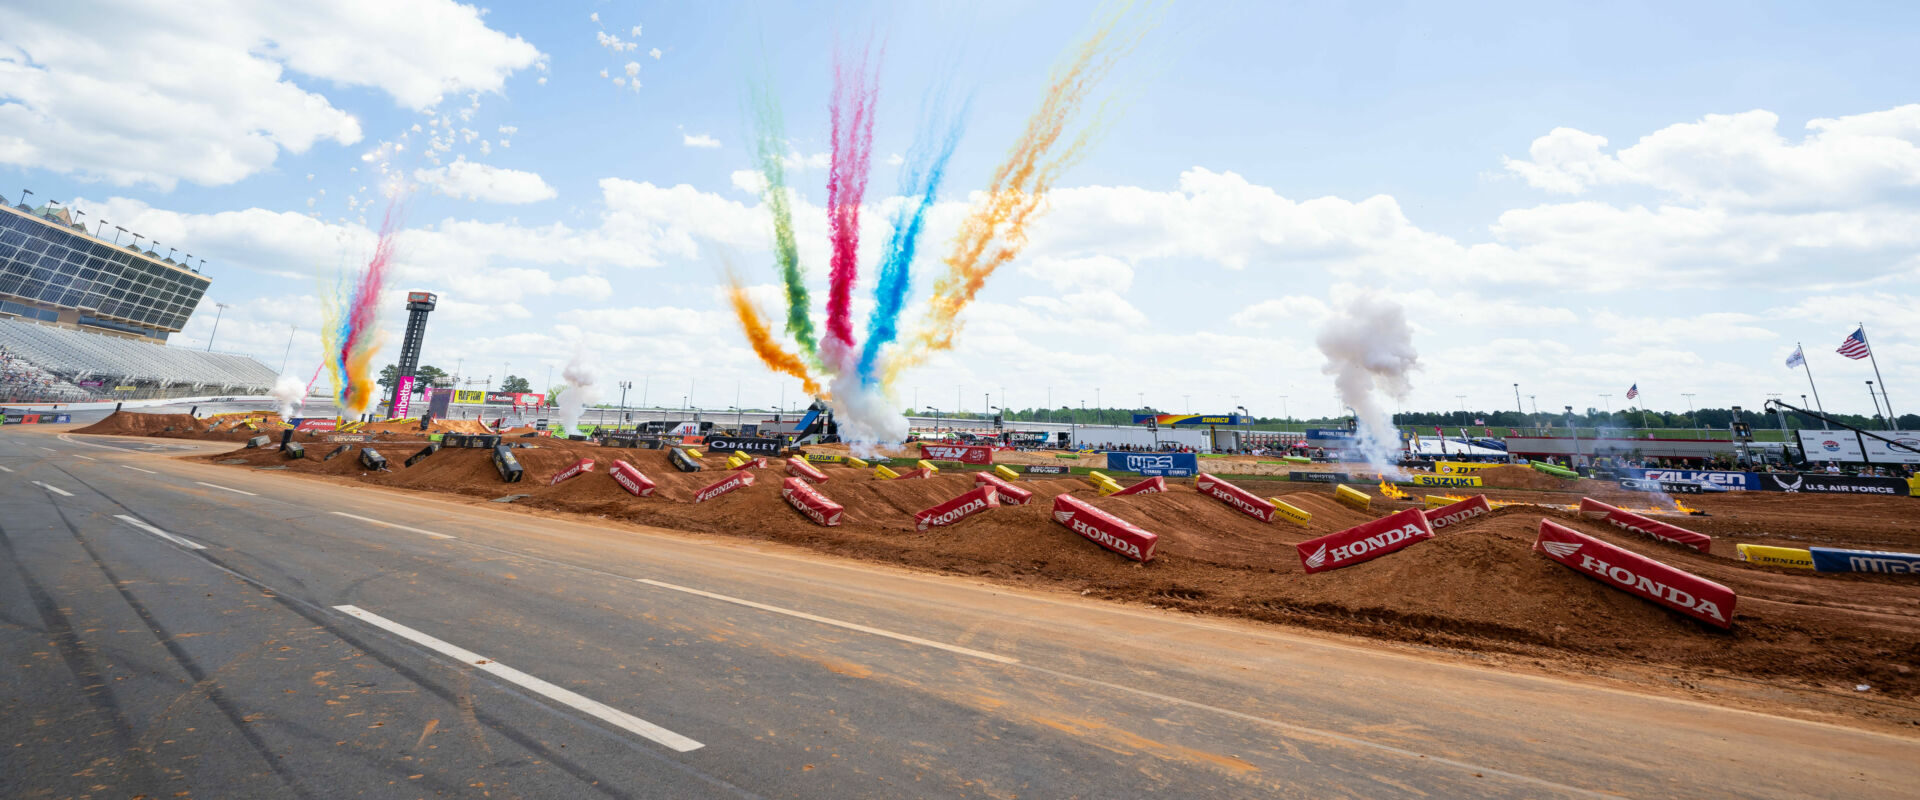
(698, 140)
(655, 52)
(476, 181)
(155, 94)
(1091, 273)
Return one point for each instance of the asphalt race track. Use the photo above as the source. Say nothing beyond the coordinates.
(183, 629)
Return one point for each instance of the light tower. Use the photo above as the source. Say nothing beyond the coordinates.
(418, 304)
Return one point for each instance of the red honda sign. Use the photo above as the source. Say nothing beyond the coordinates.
(1149, 486)
(630, 479)
(317, 424)
(1365, 542)
(810, 502)
(572, 470)
(753, 463)
(1103, 529)
(965, 454)
(1009, 494)
(1456, 513)
(1672, 534)
(1637, 575)
(737, 480)
(915, 473)
(958, 508)
(1249, 503)
(799, 468)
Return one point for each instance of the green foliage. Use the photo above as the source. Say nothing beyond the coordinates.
(514, 384)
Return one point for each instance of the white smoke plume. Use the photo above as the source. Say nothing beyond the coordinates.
(1369, 350)
(579, 393)
(867, 416)
(288, 393)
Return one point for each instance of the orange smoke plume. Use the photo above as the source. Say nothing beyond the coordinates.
(770, 352)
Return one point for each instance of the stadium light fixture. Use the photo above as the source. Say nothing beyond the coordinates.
(116, 236)
(218, 308)
(100, 228)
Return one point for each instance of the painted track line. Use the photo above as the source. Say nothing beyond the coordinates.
(6, 469)
(852, 626)
(55, 489)
(598, 710)
(48, 449)
(137, 469)
(89, 458)
(160, 533)
(385, 524)
(224, 488)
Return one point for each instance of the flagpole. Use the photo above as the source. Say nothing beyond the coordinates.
(1802, 350)
(1876, 376)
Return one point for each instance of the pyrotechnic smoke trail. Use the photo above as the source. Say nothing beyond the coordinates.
(352, 333)
(851, 114)
(770, 352)
(770, 148)
(920, 178)
(995, 230)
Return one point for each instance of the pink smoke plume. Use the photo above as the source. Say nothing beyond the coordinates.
(851, 112)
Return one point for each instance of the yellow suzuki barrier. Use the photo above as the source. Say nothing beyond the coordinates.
(883, 473)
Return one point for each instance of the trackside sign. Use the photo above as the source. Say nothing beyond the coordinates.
(1103, 529)
(1247, 502)
(799, 468)
(810, 502)
(958, 508)
(1365, 542)
(1627, 520)
(573, 470)
(630, 479)
(1172, 465)
(1151, 485)
(1009, 494)
(1833, 559)
(965, 454)
(1636, 574)
(1456, 481)
(737, 480)
(1456, 513)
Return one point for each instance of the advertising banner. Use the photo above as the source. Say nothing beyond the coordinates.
(93, 384)
(733, 481)
(500, 399)
(1636, 574)
(1665, 487)
(572, 470)
(1365, 542)
(1456, 513)
(469, 396)
(1153, 485)
(1446, 480)
(1009, 494)
(13, 419)
(1824, 446)
(1247, 502)
(965, 454)
(631, 479)
(1103, 529)
(1046, 469)
(30, 419)
(1317, 477)
(799, 468)
(1665, 532)
(529, 399)
(1169, 465)
(1833, 559)
(959, 508)
(810, 502)
(1747, 481)
(1793, 557)
(737, 444)
(404, 401)
(1191, 419)
(1831, 484)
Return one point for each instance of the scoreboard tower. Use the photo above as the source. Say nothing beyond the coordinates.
(418, 304)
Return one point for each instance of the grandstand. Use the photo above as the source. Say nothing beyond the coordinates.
(45, 363)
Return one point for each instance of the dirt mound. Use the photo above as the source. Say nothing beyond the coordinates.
(1516, 477)
(129, 423)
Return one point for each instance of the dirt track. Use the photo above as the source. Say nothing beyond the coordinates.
(1476, 587)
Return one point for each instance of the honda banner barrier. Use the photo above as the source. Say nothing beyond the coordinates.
(737, 480)
(1009, 494)
(753, 463)
(630, 478)
(810, 502)
(799, 468)
(965, 454)
(1456, 513)
(1249, 503)
(1103, 529)
(316, 424)
(1636, 574)
(1153, 485)
(1622, 518)
(1833, 559)
(573, 470)
(959, 508)
(1365, 542)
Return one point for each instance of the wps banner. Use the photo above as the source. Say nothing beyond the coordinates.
(965, 454)
(1169, 465)
(1845, 446)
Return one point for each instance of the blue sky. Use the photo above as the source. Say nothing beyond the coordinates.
(1272, 162)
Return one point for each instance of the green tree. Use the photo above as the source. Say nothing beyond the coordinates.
(388, 376)
(515, 384)
(430, 375)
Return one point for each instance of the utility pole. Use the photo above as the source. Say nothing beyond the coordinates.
(221, 307)
(289, 352)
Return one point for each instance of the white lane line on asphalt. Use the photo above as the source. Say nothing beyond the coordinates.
(160, 533)
(55, 489)
(384, 523)
(218, 486)
(48, 449)
(596, 709)
(137, 469)
(852, 626)
(6, 469)
(89, 458)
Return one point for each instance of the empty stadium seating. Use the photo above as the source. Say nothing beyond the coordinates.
(74, 356)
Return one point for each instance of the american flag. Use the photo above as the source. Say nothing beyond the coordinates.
(1855, 347)
(1633, 391)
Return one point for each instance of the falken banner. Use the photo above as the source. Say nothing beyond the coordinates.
(1167, 465)
(1823, 446)
(1744, 481)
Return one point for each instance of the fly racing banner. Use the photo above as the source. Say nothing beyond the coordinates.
(1832, 484)
(752, 446)
(1823, 446)
(1747, 481)
(1170, 465)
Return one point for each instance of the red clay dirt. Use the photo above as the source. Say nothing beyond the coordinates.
(1477, 586)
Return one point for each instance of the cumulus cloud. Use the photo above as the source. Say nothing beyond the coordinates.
(475, 181)
(201, 92)
(698, 140)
